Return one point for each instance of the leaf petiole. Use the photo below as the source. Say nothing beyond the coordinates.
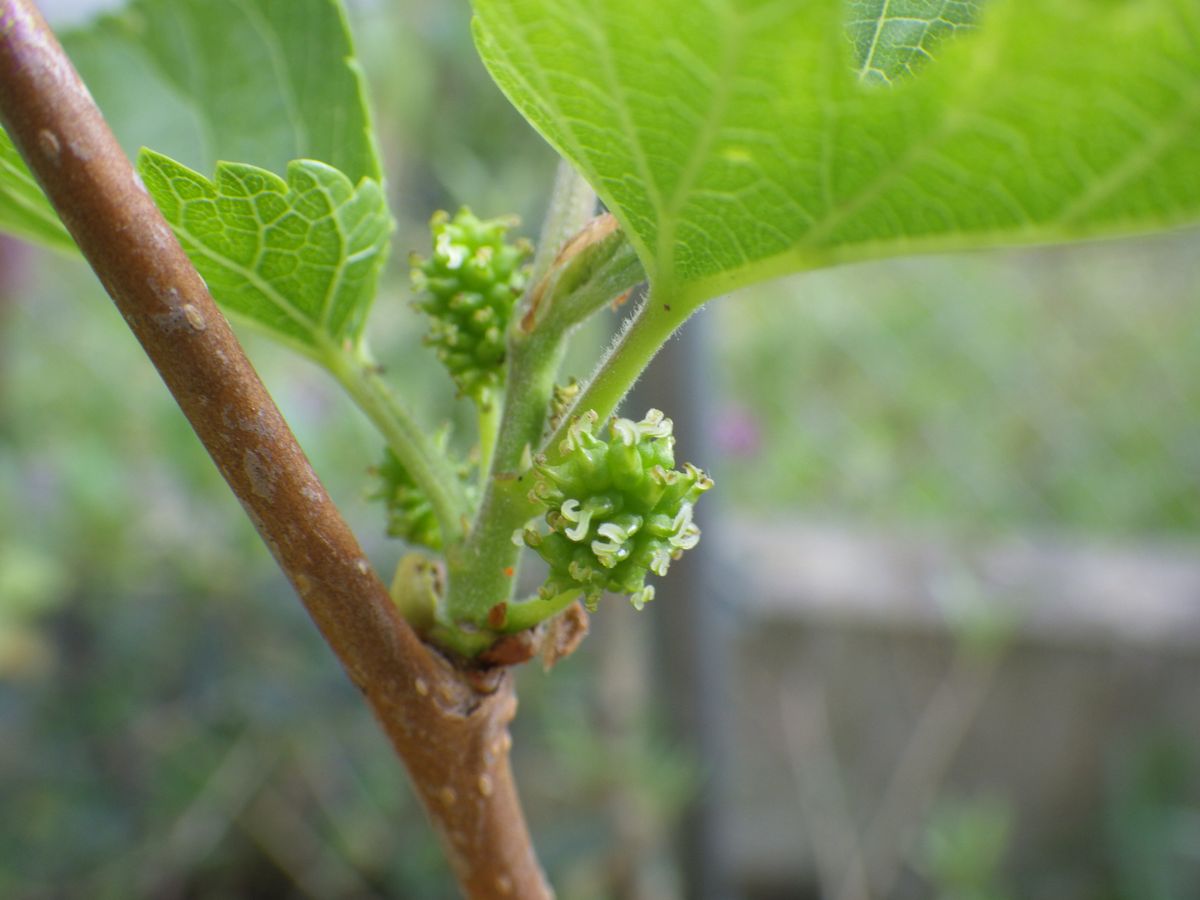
(644, 334)
(431, 470)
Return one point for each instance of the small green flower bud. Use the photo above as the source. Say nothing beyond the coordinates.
(468, 288)
(616, 509)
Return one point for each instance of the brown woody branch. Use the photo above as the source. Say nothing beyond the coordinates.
(449, 727)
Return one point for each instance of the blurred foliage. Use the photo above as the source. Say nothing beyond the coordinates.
(1055, 388)
(31, 585)
(964, 844)
(605, 796)
(1153, 820)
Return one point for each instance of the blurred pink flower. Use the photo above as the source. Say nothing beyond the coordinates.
(736, 432)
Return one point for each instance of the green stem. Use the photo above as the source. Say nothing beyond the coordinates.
(430, 469)
(536, 359)
(531, 611)
(482, 572)
(651, 326)
(488, 405)
(466, 642)
(481, 575)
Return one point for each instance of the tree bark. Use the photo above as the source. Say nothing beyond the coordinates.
(449, 726)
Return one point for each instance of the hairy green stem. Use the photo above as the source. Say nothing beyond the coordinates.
(534, 366)
(644, 334)
(429, 468)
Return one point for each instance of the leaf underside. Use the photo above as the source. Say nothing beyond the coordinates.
(265, 81)
(299, 257)
(260, 81)
(737, 140)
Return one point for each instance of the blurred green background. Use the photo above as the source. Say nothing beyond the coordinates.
(172, 726)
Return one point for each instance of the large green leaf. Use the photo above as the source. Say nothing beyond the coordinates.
(299, 258)
(741, 139)
(264, 81)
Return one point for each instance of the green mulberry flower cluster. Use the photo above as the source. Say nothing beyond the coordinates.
(617, 509)
(468, 288)
(410, 515)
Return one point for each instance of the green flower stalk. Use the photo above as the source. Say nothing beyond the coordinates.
(468, 288)
(617, 509)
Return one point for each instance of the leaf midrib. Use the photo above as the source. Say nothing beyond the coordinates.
(253, 278)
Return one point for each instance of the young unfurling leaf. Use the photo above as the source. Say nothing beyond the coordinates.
(299, 257)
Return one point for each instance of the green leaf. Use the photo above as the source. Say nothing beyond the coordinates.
(262, 81)
(737, 140)
(299, 258)
(24, 209)
(266, 81)
(893, 38)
